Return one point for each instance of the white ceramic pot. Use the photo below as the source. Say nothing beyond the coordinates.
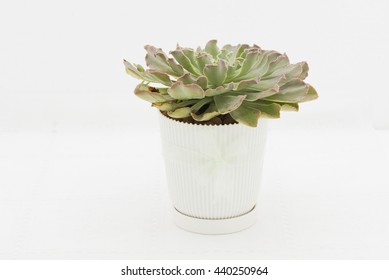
(213, 174)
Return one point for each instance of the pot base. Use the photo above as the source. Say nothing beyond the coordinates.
(216, 226)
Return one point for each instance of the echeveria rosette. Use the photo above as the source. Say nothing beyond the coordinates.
(244, 82)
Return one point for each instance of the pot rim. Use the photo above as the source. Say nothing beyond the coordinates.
(198, 124)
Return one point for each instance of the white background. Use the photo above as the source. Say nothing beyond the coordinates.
(81, 172)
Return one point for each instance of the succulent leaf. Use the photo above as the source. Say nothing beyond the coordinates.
(156, 59)
(252, 58)
(258, 85)
(290, 107)
(139, 67)
(181, 91)
(225, 104)
(246, 115)
(240, 50)
(271, 110)
(223, 54)
(158, 77)
(292, 71)
(219, 90)
(261, 66)
(208, 114)
(232, 71)
(146, 93)
(196, 107)
(232, 50)
(180, 113)
(132, 70)
(191, 55)
(188, 78)
(216, 74)
(254, 96)
(184, 61)
(202, 81)
(311, 94)
(292, 92)
(212, 49)
(153, 76)
(177, 68)
(279, 63)
(171, 106)
(203, 59)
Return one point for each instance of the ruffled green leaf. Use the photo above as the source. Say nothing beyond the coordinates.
(216, 74)
(297, 71)
(246, 115)
(292, 71)
(184, 61)
(232, 72)
(183, 92)
(225, 104)
(171, 106)
(158, 77)
(156, 59)
(192, 56)
(241, 50)
(304, 72)
(232, 52)
(177, 68)
(271, 110)
(223, 54)
(139, 67)
(251, 60)
(212, 49)
(180, 113)
(202, 81)
(203, 59)
(253, 96)
(132, 70)
(261, 67)
(311, 94)
(279, 63)
(284, 106)
(188, 78)
(257, 84)
(290, 107)
(219, 90)
(200, 103)
(293, 91)
(208, 114)
(152, 76)
(150, 94)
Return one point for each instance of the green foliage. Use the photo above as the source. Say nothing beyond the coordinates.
(243, 81)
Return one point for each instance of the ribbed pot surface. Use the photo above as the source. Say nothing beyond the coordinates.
(213, 172)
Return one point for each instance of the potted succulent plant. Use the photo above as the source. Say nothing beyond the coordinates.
(213, 107)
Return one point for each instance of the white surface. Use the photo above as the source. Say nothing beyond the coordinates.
(81, 173)
(213, 172)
